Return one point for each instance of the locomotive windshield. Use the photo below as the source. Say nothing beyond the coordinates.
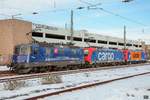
(23, 49)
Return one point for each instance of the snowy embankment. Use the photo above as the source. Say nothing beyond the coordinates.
(136, 88)
(4, 68)
(33, 87)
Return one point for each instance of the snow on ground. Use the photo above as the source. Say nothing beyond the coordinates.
(35, 86)
(136, 88)
(4, 68)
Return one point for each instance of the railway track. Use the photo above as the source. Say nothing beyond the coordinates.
(84, 86)
(7, 73)
(40, 75)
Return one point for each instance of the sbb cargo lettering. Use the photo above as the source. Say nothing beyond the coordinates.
(102, 56)
(135, 55)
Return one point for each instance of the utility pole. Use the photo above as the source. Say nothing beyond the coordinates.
(54, 4)
(124, 37)
(71, 28)
(66, 26)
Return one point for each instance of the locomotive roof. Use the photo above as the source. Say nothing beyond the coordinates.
(49, 45)
(57, 45)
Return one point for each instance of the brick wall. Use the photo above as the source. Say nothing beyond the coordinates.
(12, 33)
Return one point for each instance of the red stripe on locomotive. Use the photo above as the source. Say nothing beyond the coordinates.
(87, 54)
(126, 57)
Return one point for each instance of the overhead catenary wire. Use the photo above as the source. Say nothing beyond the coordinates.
(91, 6)
(125, 18)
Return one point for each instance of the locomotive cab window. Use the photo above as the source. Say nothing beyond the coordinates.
(17, 50)
(23, 50)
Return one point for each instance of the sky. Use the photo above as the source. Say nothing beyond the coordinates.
(135, 15)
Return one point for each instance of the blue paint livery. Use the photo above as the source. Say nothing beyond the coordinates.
(107, 55)
(50, 54)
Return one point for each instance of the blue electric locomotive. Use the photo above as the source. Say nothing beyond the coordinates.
(36, 57)
(43, 57)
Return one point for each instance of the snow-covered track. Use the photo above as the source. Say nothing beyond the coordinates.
(85, 86)
(40, 75)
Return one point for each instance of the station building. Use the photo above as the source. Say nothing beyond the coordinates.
(81, 38)
(14, 32)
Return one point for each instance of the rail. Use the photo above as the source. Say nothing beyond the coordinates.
(39, 75)
(84, 86)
